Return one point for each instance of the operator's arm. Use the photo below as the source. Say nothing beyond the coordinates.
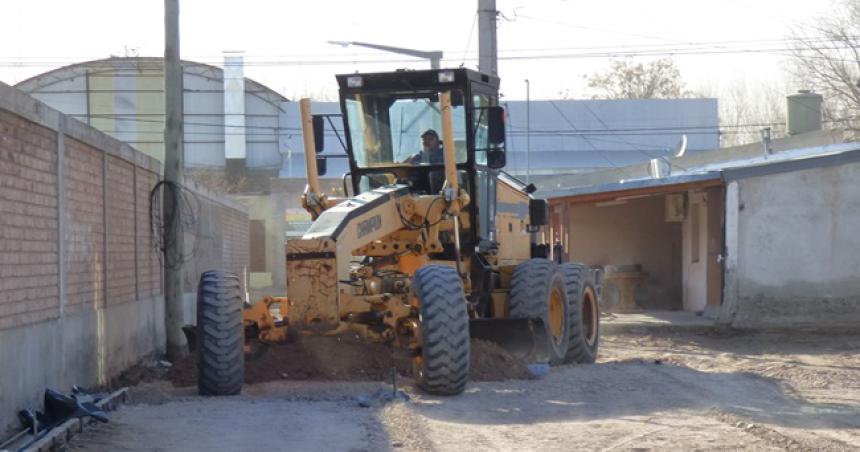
(413, 159)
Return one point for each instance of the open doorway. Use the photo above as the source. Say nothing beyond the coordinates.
(702, 250)
(664, 248)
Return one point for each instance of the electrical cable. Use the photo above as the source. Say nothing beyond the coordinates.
(618, 52)
(570, 123)
(469, 40)
(636, 147)
(185, 208)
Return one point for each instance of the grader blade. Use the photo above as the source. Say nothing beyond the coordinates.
(524, 339)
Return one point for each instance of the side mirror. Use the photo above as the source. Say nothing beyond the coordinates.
(322, 165)
(538, 212)
(496, 125)
(319, 132)
(496, 158)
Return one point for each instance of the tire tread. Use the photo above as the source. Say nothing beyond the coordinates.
(221, 363)
(575, 281)
(445, 330)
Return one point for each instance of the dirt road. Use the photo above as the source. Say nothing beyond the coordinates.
(650, 390)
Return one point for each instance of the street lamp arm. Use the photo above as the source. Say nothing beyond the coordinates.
(411, 52)
(435, 56)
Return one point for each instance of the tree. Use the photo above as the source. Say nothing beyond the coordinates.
(626, 79)
(746, 107)
(827, 59)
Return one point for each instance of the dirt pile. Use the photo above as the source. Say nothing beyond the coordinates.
(346, 358)
(493, 363)
(306, 358)
(143, 372)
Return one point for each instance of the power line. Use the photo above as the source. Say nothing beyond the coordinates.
(469, 40)
(616, 53)
(584, 27)
(668, 130)
(635, 146)
(249, 56)
(693, 45)
(590, 144)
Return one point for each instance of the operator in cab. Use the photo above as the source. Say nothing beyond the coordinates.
(431, 150)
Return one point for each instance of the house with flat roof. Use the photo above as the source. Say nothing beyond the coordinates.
(749, 238)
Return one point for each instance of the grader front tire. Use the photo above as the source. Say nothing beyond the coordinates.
(443, 367)
(220, 334)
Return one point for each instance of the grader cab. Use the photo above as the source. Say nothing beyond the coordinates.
(429, 247)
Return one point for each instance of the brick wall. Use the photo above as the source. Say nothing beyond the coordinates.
(108, 252)
(121, 235)
(80, 278)
(93, 214)
(108, 255)
(148, 264)
(235, 243)
(219, 240)
(83, 231)
(29, 249)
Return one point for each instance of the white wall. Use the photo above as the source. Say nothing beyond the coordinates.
(695, 258)
(797, 248)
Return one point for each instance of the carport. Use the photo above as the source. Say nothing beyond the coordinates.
(758, 241)
(662, 238)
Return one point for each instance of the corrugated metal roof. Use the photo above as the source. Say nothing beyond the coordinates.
(793, 160)
(632, 185)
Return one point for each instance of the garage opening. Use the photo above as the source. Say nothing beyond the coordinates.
(657, 251)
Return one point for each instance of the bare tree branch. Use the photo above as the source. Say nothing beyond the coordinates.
(628, 80)
(827, 58)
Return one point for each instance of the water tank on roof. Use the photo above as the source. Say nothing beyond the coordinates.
(804, 112)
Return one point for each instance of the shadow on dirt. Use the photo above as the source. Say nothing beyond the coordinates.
(633, 388)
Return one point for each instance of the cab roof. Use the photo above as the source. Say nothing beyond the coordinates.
(414, 79)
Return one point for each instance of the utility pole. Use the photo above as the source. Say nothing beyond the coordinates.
(177, 346)
(488, 51)
(528, 130)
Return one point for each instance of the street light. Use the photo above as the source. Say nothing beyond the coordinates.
(435, 56)
(528, 131)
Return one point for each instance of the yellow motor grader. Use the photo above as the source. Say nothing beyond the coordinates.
(424, 253)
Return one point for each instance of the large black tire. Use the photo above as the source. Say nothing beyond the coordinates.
(220, 334)
(443, 367)
(584, 315)
(537, 291)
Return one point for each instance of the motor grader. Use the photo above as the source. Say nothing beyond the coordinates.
(421, 256)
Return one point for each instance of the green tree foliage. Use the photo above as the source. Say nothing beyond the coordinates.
(627, 79)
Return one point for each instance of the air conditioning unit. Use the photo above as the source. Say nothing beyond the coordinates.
(675, 208)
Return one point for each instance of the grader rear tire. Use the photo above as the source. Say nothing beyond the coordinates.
(443, 367)
(220, 335)
(584, 315)
(537, 291)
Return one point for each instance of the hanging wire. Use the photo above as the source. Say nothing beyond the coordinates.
(469, 40)
(185, 207)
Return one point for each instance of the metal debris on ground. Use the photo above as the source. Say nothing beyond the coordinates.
(383, 396)
(538, 370)
(58, 408)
